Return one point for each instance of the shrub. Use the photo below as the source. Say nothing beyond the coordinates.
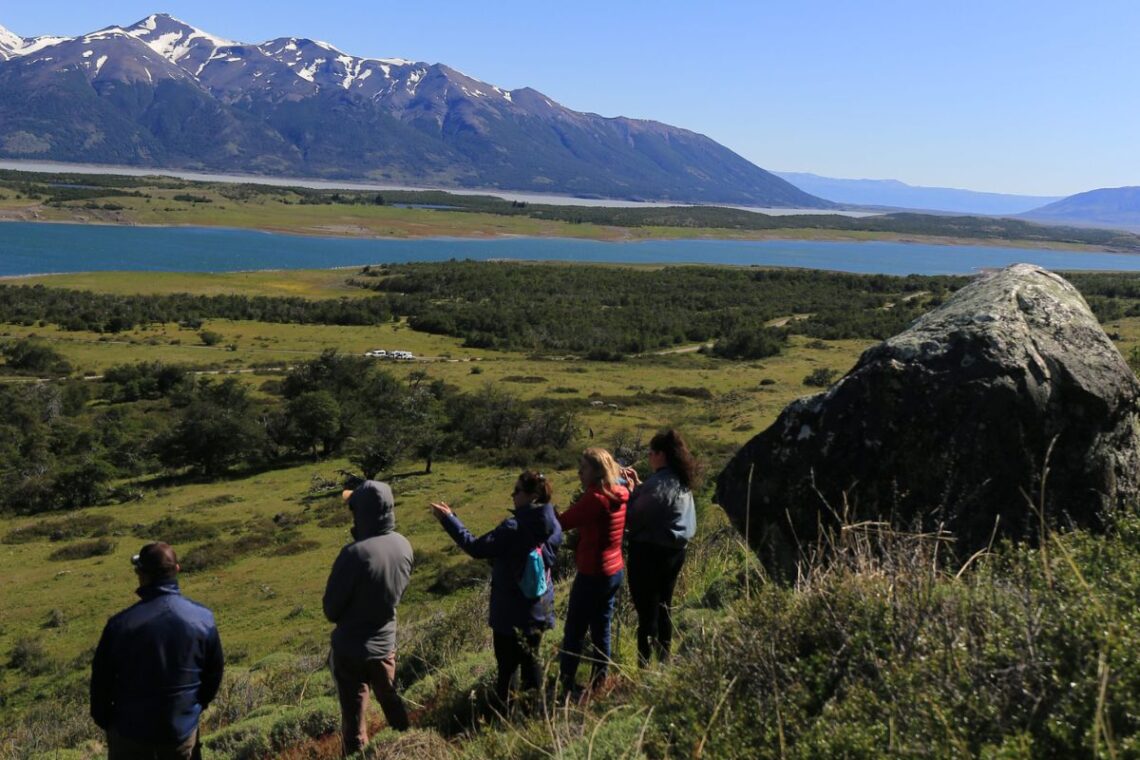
(312, 720)
(99, 547)
(248, 740)
(298, 546)
(207, 556)
(29, 656)
(45, 726)
(754, 343)
(34, 356)
(78, 526)
(699, 393)
(409, 745)
(176, 530)
(821, 377)
(429, 643)
(209, 338)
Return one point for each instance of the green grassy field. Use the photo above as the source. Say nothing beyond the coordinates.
(270, 603)
(291, 524)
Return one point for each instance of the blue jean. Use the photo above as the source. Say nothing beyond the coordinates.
(591, 608)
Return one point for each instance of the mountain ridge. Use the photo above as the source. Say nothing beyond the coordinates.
(164, 94)
(1117, 207)
(897, 194)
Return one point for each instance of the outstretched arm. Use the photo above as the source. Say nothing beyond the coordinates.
(488, 545)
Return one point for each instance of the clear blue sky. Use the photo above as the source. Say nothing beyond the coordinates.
(1018, 96)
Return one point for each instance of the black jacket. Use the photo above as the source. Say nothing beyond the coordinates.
(158, 665)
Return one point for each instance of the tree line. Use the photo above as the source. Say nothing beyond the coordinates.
(65, 444)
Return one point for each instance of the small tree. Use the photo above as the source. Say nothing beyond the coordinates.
(210, 338)
(314, 420)
(34, 356)
(216, 430)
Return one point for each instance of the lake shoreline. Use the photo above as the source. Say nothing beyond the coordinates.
(45, 249)
(809, 235)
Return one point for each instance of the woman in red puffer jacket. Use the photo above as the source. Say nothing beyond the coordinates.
(599, 517)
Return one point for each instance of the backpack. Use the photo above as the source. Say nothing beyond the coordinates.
(534, 579)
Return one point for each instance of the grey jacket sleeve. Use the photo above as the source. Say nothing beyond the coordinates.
(338, 589)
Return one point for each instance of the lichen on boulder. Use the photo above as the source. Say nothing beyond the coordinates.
(950, 425)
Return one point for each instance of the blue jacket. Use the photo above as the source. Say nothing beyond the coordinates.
(661, 511)
(507, 546)
(158, 665)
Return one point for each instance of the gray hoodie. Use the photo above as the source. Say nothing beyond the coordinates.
(368, 577)
(661, 511)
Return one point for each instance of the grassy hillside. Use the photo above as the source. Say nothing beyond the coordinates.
(886, 649)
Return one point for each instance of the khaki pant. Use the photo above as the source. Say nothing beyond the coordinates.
(121, 747)
(353, 678)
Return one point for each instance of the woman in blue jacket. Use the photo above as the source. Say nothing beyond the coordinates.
(517, 620)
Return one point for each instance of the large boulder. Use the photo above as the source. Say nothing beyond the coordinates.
(951, 425)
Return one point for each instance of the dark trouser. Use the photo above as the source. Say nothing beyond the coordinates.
(516, 651)
(591, 607)
(353, 678)
(653, 572)
(121, 747)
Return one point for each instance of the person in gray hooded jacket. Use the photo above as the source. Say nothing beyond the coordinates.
(367, 581)
(660, 520)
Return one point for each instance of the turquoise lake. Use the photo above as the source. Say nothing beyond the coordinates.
(31, 248)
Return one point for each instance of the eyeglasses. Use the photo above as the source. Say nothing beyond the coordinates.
(135, 560)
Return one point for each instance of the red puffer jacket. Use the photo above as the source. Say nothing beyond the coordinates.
(600, 520)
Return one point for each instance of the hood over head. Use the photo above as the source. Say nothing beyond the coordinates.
(373, 510)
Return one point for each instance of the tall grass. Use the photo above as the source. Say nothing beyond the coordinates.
(885, 645)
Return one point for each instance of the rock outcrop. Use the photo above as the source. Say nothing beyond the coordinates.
(950, 425)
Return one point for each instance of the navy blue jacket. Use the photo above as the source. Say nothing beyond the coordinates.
(158, 665)
(507, 546)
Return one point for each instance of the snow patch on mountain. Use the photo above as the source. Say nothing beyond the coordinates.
(174, 39)
(36, 44)
(103, 34)
(9, 42)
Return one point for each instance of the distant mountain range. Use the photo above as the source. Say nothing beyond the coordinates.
(895, 194)
(1107, 207)
(161, 93)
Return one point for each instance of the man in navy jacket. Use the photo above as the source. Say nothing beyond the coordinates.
(157, 667)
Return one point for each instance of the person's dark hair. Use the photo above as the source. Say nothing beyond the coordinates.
(157, 560)
(536, 484)
(677, 455)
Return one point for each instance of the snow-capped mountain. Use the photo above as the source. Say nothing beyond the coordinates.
(9, 43)
(163, 93)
